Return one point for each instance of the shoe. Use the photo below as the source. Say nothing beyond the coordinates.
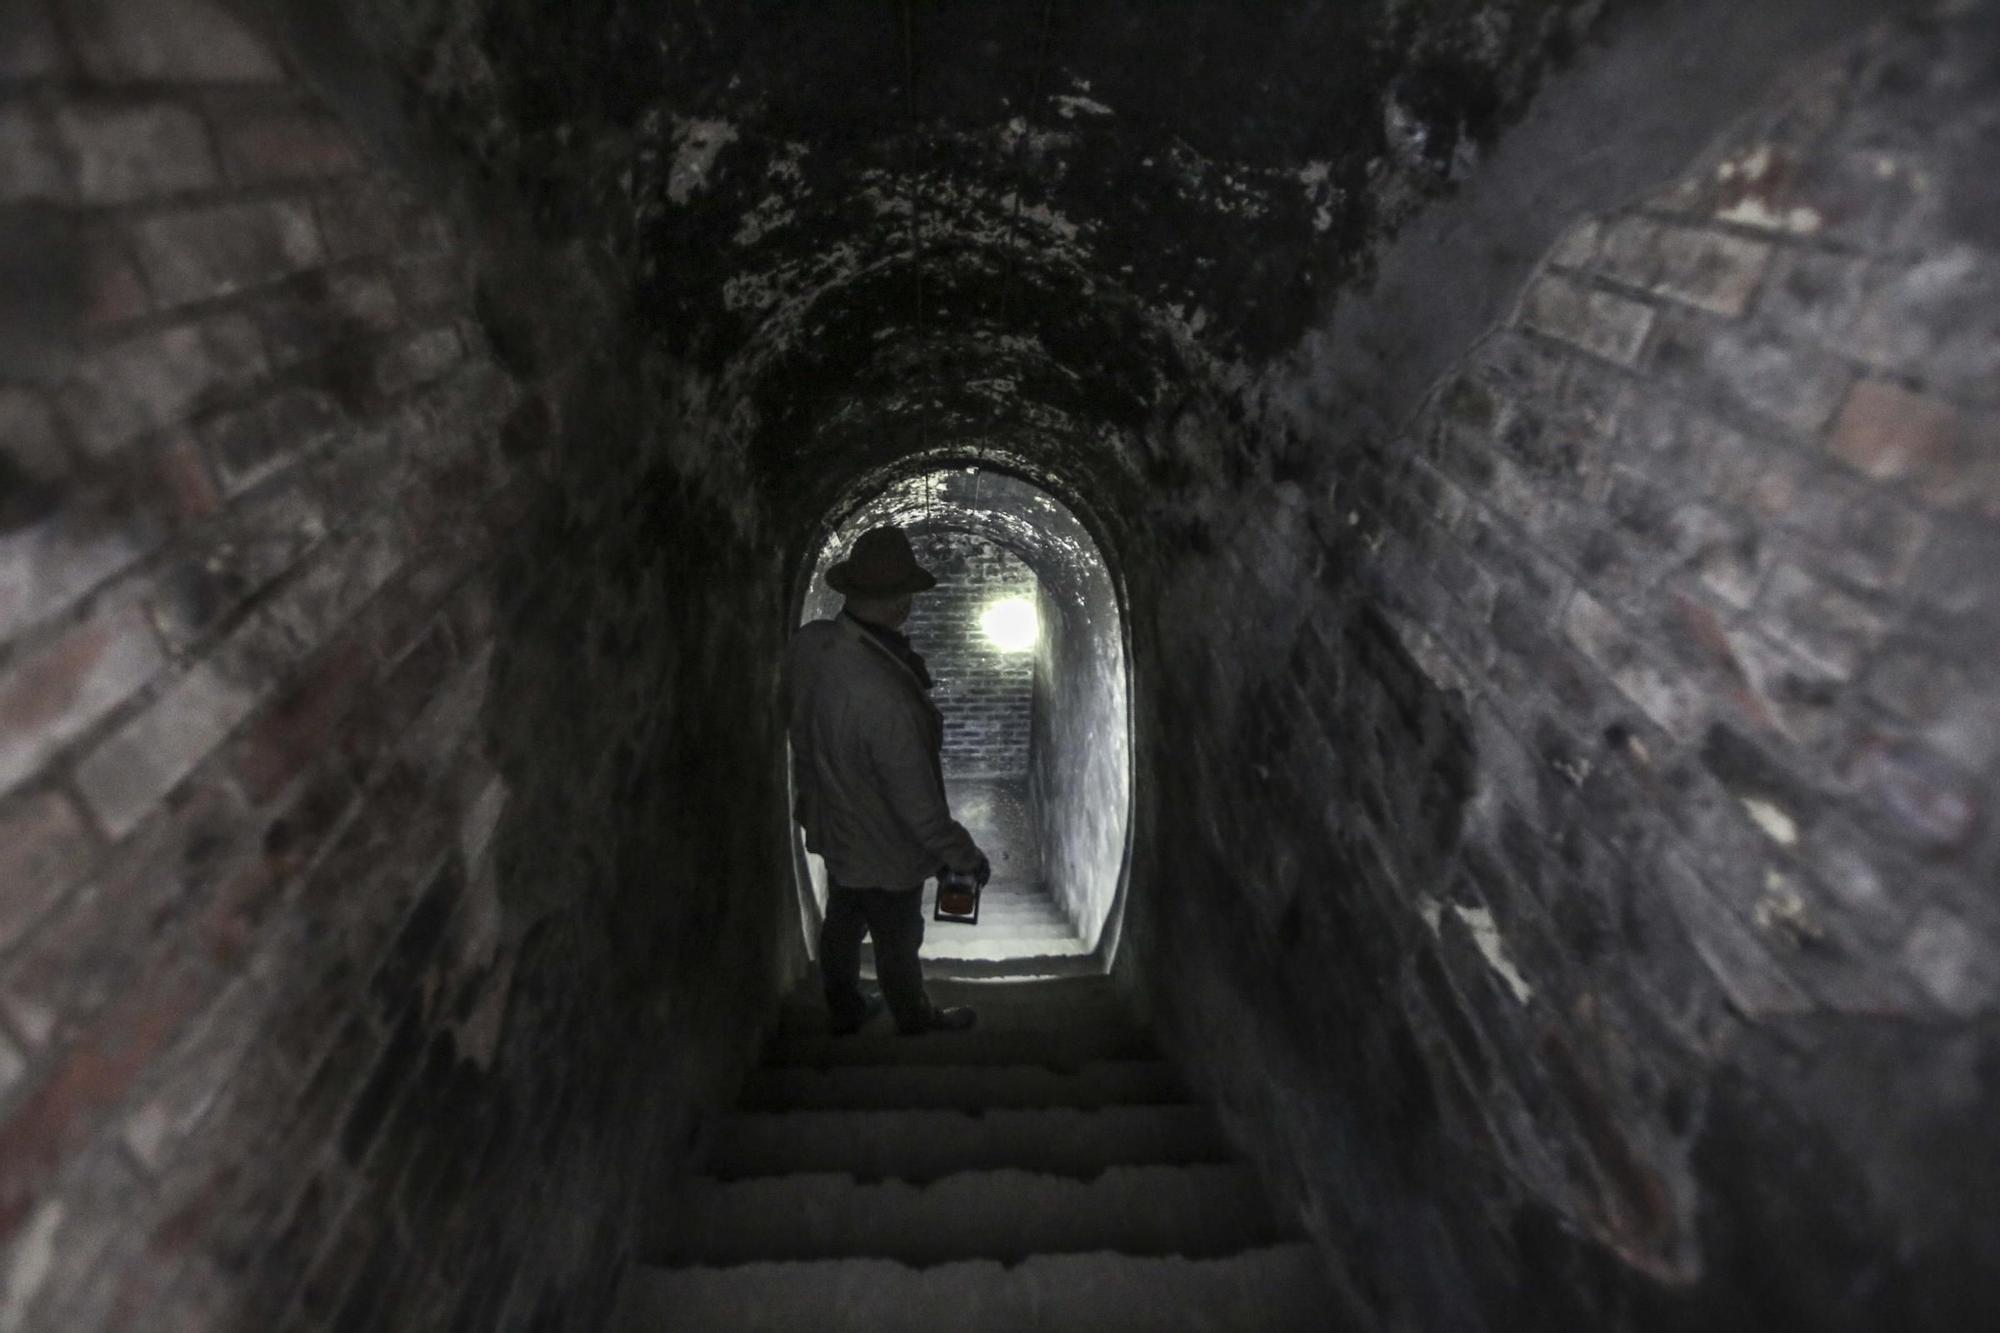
(957, 1018)
(872, 1007)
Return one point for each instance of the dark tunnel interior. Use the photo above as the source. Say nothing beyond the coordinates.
(1512, 489)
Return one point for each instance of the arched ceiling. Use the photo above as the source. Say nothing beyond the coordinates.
(1016, 225)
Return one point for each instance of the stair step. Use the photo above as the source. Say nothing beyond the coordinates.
(1002, 1008)
(998, 947)
(925, 1145)
(1039, 913)
(1274, 1289)
(881, 1044)
(1017, 928)
(1000, 1214)
(1024, 968)
(961, 1087)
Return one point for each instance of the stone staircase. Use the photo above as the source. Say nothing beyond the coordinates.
(1046, 1170)
(1017, 920)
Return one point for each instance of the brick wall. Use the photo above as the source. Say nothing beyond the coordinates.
(316, 969)
(987, 696)
(1597, 766)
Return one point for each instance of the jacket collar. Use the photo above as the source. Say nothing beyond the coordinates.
(855, 630)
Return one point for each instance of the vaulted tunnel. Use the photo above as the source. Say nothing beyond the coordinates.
(1053, 811)
(1543, 460)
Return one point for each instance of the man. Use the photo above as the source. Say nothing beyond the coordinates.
(867, 766)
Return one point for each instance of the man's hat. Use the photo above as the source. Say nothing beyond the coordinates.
(881, 564)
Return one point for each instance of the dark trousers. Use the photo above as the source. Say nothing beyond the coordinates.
(895, 918)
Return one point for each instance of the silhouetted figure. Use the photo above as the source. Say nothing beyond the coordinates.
(868, 770)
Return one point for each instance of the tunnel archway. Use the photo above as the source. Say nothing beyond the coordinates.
(1038, 756)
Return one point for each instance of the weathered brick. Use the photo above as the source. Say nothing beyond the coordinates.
(366, 218)
(158, 380)
(84, 953)
(205, 253)
(127, 776)
(1949, 457)
(1676, 704)
(384, 714)
(1695, 447)
(1741, 964)
(1876, 541)
(1811, 297)
(1728, 558)
(402, 616)
(12, 1065)
(56, 693)
(1630, 251)
(185, 478)
(73, 1284)
(262, 147)
(1953, 963)
(1798, 388)
(1578, 245)
(128, 153)
(407, 982)
(1887, 432)
(29, 45)
(31, 164)
(250, 443)
(87, 1083)
(300, 724)
(257, 543)
(1918, 796)
(196, 1069)
(341, 576)
(1604, 324)
(29, 442)
(1776, 690)
(417, 359)
(194, 41)
(1820, 623)
(1713, 270)
(1758, 187)
(49, 567)
(436, 735)
(301, 822)
(432, 287)
(320, 311)
(45, 849)
(112, 292)
(1937, 319)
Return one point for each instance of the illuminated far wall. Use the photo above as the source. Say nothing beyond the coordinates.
(977, 631)
(1056, 625)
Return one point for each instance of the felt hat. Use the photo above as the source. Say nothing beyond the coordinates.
(881, 564)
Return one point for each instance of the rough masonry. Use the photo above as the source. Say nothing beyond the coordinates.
(1539, 460)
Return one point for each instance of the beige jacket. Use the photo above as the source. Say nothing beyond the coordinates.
(867, 771)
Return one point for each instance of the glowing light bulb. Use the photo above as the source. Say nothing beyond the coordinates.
(1011, 625)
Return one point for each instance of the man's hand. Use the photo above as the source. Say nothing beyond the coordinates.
(980, 873)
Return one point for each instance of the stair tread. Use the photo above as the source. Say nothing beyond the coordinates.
(1002, 948)
(1001, 927)
(925, 1145)
(1004, 1213)
(996, 1043)
(972, 1087)
(1277, 1287)
(1044, 1170)
(1025, 968)
(1053, 995)
(1001, 1008)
